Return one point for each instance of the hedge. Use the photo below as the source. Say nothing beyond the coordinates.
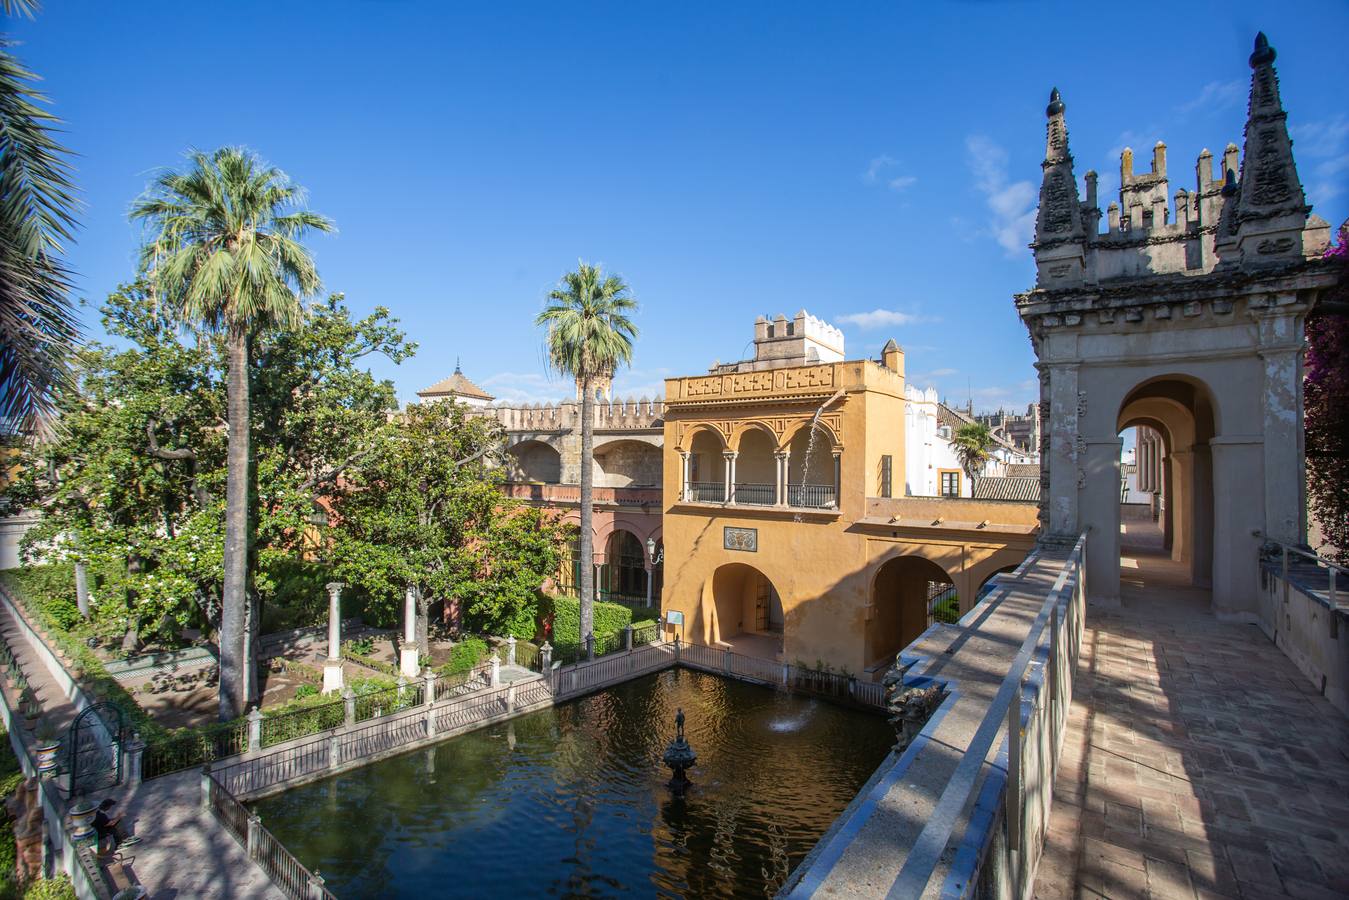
(609, 618)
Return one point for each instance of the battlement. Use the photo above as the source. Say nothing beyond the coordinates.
(1253, 214)
(624, 414)
(781, 342)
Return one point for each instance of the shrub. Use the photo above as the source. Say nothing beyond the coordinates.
(464, 656)
(58, 888)
(609, 619)
(306, 690)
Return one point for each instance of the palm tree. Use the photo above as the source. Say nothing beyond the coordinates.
(224, 250)
(38, 325)
(973, 443)
(589, 337)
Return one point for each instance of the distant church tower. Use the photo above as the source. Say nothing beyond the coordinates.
(1187, 320)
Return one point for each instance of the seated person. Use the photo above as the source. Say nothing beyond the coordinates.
(109, 828)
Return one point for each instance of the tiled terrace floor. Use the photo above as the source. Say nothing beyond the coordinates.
(1198, 761)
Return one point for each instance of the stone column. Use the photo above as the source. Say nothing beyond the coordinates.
(496, 672)
(782, 457)
(649, 580)
(510, 650)
(1064, 523)
(133, 752)
(1285, 480)
(1100, 503)
(1180, 504)
(838, 479)
(1236, 547)
(255, 729)
(685, 490)
(332, 667)
(730, 456)
(407, 657)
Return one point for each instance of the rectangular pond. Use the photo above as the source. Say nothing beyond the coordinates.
(572, 801)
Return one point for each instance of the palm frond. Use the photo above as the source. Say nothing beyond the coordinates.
(38, 326)
(589, 331)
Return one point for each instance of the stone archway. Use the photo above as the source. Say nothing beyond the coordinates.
(902, 595)
(623, 573)
(534, 461)
(1180, 408)
(745, 612)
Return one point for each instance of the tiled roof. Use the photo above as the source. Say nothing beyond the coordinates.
(999, 487)
(1023, 470)
(455, 386)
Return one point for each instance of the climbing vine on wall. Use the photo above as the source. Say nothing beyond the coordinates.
(1326, 397)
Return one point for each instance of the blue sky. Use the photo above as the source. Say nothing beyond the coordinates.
(875, 164)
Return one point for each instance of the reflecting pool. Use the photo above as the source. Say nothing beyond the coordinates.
(572, 801)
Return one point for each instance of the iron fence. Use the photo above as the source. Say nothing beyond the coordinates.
(297, 723)
(707, 491)
(811, 496)
(186, 749)
(281, 866)
(756, 494)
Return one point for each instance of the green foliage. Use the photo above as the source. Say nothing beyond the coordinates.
(11, 776)
(362, 651)
(464, 655)
(58, 888)
(306, 690)
(38, 323)
(973, 443)
(423, 509)
(610, 618)
(87, 668)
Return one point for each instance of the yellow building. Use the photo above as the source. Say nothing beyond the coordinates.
(784, 537)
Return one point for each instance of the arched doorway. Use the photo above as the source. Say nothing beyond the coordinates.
(747, 613)
(908, 594)
(1173, 421)
(534, 461)
(622, 578)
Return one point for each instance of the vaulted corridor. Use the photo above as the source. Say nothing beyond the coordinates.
(1198, 762)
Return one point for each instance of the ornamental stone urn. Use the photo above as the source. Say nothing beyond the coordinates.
(679, 756)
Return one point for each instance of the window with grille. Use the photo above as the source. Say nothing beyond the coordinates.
(950, 484)
(887, 464)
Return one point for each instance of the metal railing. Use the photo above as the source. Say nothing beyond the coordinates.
(186, 749)
(811, 496)
(756, 494)
(707, 491)
(1301, 605)
(281, 866)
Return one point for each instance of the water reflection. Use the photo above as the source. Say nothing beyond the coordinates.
(572, 801)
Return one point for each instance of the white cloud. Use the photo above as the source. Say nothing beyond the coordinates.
(876, 173)
(881, 318)
(1214, 96)
(1322, 149)
(1012, 203)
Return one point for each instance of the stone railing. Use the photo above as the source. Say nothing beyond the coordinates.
(1302, 609)
(571, 493)
(963, 810)
(619, 415)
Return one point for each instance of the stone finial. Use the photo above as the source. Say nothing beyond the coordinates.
(1059, 237)
(1264, 54)
(1056, 106)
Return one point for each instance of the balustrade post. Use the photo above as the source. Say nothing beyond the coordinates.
(133, 752)
(334, 751)
(726, 660)
(254, 835)
(627, 637)
(254, 729)
(510, 650)
(349, 702)
(546, 658)
(590, 645)
(206, 787)
(676, 642)
(496, 672)
(402, 687)
(786, 674)
(316, 891)
(429, 700)
(510, 697)
(1285, 573)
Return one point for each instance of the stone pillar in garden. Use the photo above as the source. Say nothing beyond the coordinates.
(332, 666)
(407, 657)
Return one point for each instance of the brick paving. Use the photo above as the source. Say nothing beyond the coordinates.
(1198, 763)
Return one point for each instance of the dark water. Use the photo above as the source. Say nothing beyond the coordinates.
(571, 802)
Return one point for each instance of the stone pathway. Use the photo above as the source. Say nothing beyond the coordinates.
(1198, 763)
(184, 852)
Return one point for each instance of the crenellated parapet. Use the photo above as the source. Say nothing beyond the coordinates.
(630, 413)
(1249, 215)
